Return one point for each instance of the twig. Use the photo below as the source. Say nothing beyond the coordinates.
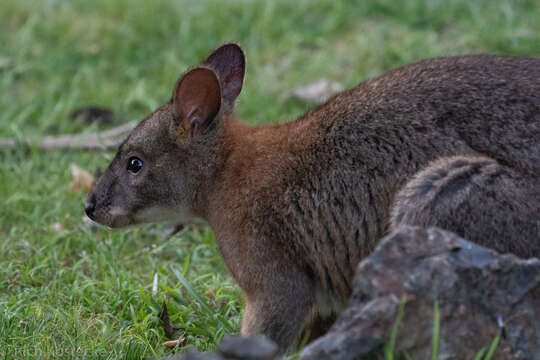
(102, 140)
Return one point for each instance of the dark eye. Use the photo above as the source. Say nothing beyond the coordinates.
(134, 165)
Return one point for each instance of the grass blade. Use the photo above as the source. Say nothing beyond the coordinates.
(480, 354)
(390, 346)
(201, 301)
(492, 347)
(436, 332)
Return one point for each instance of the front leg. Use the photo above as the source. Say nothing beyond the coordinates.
(279, 309)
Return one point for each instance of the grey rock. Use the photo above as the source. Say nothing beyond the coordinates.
(248, 348)
(192, 354)
(479, 293)
(236, 348)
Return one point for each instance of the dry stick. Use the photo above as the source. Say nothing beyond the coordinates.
(103, 140)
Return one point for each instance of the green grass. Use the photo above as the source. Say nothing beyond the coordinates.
(389, 348)
(80, 292)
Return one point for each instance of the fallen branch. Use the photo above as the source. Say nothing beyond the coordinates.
(102, 140)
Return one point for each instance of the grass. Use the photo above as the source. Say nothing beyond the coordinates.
(436, 331)
(79, 292)
(391, 353)
(390, 345)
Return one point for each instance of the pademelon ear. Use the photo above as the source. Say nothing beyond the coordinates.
(196, 100)
(229, 63)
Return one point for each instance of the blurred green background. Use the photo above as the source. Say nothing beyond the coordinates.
(67, 290)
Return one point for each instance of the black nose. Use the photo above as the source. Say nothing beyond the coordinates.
(90, 206)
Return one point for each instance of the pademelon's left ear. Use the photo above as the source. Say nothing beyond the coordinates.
(196, 101)
(229, 63)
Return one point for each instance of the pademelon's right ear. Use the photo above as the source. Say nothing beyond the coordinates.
(229, 63)
(196, 101)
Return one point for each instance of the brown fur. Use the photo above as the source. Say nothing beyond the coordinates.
(453, 142)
